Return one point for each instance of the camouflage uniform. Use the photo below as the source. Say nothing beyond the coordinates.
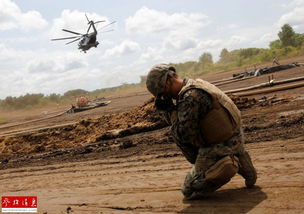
(191, 108)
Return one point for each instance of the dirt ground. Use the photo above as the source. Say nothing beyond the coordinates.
(121, 158)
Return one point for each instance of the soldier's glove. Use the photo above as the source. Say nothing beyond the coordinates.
(164, 104)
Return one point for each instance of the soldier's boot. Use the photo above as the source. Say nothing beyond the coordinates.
(187, 190)
(224, 169)
(198, 184)
(247, 170)
(197, 187)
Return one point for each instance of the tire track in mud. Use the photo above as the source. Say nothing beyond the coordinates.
(266, 126)
(153, 185)
(260, 123)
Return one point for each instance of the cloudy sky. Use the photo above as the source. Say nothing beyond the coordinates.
(145, 33)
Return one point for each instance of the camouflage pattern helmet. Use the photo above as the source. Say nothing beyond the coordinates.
(157, 77)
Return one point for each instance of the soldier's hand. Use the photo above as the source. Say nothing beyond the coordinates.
(173, 117)
(164, 104)
(170, 117)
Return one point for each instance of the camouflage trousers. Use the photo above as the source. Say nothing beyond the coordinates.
(195, 184)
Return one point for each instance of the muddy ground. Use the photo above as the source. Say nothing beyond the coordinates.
(121, 158)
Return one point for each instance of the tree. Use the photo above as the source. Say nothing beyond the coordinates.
(224, 54)
(299, 39)
(54, 97)
(287, 35)
(249, 52)
(276, 44)
(75, 92)
(206, 58)
(143, 80)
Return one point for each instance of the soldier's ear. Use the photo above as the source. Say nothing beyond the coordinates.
(171, 74)
(168, 84)
(171, 68)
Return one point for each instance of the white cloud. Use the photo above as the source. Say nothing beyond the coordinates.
(294, 3)
(235, 41)
(124, 48)
(172, 51)
(152, 54)
(12, 17)
(245, 37)
(179, 42)
(209, 44)
(264, 40)
(55, 64)
(39, 71)
(168, 37)
(147, 21)
(228, 27)
(294, 18)
(11, 58)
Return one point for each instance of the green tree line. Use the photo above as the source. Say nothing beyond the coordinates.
(30, 101)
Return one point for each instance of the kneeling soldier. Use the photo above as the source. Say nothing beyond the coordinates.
(206, 126)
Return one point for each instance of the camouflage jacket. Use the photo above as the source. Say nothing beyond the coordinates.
(191, 109)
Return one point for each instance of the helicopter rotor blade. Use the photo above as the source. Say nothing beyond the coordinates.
(73, 41)
(99, 21)
(107, 25)
(89, 28)
(106, 31)
(72, 37)
(87, 17)
(69, 31)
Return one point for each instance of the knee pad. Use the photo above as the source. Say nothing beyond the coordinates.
(223, 170)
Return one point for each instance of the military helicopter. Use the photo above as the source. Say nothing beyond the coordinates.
(87, 40)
